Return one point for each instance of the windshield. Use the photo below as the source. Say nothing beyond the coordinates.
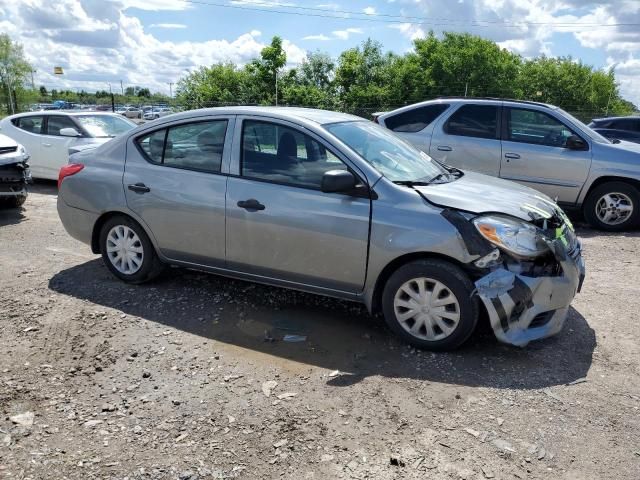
(595, 136)
(390, 155)
(101, 126)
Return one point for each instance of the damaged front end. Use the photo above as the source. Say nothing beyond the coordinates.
(14, 173)
(527, 273)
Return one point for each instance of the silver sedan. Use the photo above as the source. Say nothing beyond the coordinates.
(332, 204)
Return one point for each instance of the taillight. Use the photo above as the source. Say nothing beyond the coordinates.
(68, 170)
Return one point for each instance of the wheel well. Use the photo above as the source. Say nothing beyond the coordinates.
(387, 271)
(601, 180)
(95, 235)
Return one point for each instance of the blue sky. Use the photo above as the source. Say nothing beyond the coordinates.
(155, 42)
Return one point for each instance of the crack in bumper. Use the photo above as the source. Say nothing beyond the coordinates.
(523, 308)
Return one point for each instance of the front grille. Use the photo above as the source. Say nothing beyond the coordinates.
(541, 319)
(8, 149)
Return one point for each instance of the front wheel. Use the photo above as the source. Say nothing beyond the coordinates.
(429, 304)
(14, 202)
(613, 206)
(127, 251)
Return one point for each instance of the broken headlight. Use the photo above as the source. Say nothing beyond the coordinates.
(512, 235)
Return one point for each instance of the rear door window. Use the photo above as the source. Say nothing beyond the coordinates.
(31, 124)
(479, 121)
(193, 146)
(415, 119)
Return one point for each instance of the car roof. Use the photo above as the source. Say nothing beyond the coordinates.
(72, 113)
(470, 100)
(318, 116)
(602, 119)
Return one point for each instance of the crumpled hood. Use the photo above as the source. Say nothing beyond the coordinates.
(624, 145)
(479, 193)
(16, 156)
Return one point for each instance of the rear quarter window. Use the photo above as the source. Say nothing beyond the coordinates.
(416, 119)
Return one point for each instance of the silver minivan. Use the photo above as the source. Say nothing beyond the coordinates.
(331, 204)
(535, 144)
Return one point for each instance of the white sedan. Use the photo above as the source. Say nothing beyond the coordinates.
(157, 113)
(49, 136)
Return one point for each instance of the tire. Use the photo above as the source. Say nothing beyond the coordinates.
(454, 290)
(144, 265)
(13, 202)
(620, 194)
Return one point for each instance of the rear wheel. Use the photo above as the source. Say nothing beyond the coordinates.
(428, 303)
(127, 251)
(613, 206)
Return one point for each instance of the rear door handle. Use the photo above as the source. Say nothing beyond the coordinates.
(139, 188)
(252, 204)
(444, 148)
(46, 144)
(511, 155)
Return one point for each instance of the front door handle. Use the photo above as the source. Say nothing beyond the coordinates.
(252, 204)
(514, 156)
(46, 144)
(139, 188)
(444, 148)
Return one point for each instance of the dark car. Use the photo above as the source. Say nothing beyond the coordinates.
(618, 128)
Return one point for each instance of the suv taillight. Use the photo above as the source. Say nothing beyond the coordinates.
(68, 170)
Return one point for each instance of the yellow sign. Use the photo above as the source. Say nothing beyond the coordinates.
(58, 71)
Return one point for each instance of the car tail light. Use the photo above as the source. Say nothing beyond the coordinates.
(68, 170)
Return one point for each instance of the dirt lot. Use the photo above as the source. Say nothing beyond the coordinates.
(175, 380)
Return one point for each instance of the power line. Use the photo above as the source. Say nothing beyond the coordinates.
(392, 19)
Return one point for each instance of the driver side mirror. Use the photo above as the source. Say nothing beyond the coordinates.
(574, 142)
(70, 132)
(338, 181)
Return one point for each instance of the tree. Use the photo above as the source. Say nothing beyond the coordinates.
(265, 71)
(465, 64)
(144, 92)
(573, 86)
(221, 83)
(43, 91)
(363, 77)
(14, 70)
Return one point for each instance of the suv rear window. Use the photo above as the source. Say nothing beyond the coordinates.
(415, 119)
(474, 121)
(31, 124)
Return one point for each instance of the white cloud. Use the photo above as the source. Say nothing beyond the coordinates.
(369, 10)
(168, 25)
(346, 33)
(320, 37)
(98, 43)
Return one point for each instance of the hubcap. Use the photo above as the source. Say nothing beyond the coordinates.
(614, 208)
(124, 249)
(427, 309)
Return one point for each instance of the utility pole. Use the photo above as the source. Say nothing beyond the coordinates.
(276, 88)
(170, 89)
(33, 85)
(121, 88)
(466, 85)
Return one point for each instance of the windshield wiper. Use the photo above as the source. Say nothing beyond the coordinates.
(439, 176)
(411, 183)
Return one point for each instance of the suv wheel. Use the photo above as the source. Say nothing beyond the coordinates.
(429, 304)
(613, 206)
(127, 251)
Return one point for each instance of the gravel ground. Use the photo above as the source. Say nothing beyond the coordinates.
(189, 377)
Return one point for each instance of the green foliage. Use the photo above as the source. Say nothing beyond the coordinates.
(14, 70)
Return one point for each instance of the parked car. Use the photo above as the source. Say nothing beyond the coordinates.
(332, 204)
(49, 136)
(14, 173)
(535, 144)
(130, 112)
(618, 128)
(155, 113)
